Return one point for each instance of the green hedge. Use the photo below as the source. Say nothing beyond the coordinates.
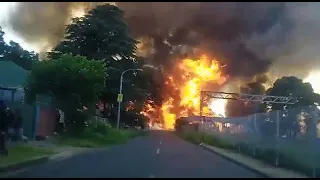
(98, 134)
(97, 139)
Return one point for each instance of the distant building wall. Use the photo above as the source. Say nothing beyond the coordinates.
(46, 121)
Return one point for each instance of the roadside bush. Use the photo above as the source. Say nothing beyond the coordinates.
(98, 135)
(75, 123)
(99, 126)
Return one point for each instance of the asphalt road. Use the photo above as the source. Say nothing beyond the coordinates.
(160, 155)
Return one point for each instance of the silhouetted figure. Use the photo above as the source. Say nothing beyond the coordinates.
(10, 121)
(3, 128)
(60, 126)
(17, 125)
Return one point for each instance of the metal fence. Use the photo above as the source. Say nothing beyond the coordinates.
(289, 137)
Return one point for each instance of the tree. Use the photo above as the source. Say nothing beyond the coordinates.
(15, 53)
(71, 81)
(292, 86)
(102, 34)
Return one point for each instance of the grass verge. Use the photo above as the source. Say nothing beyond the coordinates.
(266, 155)
(199, 137)
(98, 139)
(23, 153)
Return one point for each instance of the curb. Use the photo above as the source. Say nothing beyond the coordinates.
(68, 154)
(264, 175)
(22, 166)
(29, 162)
(39, 160)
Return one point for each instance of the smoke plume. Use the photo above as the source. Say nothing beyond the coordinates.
(249, 37)
(252, 39)
(258, 85)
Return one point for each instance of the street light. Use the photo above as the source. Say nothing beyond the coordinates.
(120, 96)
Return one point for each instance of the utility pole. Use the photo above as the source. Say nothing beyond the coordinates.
(120, 95)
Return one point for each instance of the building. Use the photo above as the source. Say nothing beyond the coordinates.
(12, 78)
(38, 119)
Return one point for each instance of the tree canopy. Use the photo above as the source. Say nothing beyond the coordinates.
(102, 34)
(292, 86)
(15, 53)
(71, 81)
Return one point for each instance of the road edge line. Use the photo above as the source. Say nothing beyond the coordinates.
(263, 174)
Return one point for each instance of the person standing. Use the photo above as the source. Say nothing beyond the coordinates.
(3, 128)
(17, 125)
(61, 118)
(60, 126)
(10, 122)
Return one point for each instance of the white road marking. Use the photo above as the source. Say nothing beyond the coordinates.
(160, 142)
(158, 151)
(151, 176)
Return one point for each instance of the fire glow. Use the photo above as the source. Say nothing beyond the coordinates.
(182, 91)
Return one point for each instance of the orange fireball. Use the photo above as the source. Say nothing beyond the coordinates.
(189, 78)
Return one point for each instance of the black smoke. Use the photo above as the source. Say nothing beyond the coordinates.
(257, 86)
(251, 38)
(219, 28)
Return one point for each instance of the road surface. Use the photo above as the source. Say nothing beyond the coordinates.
(159, 155)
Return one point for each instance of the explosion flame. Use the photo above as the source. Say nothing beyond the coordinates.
(182, 91)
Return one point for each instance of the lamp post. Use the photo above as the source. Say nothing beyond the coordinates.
(120, 96)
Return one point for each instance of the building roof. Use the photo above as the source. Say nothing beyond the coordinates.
(11, 75)
(8, 88)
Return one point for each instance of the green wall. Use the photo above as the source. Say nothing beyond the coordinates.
(12, 75)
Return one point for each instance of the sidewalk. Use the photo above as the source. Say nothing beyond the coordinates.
(254, 165)
(60, 153)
